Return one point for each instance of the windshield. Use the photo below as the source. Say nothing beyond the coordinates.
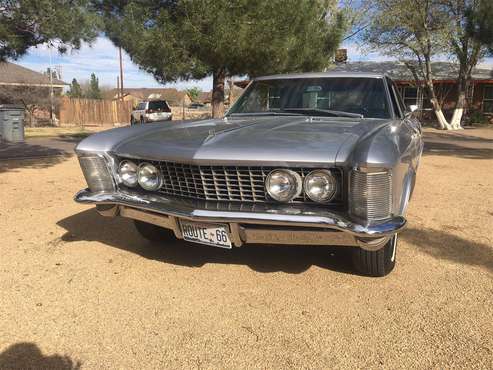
(326, 96)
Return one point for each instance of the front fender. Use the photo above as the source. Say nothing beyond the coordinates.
(390, 148)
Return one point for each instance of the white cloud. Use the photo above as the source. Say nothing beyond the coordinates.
(100, 58)
(359, 53)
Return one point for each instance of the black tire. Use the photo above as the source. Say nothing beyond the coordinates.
(376, 263)
(152, 232)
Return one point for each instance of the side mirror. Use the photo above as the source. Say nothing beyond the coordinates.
(413, 108)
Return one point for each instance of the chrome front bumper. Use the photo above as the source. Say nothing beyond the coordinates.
(249, 223)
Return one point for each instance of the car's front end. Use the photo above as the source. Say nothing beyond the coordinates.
(355, 211)
(265, 180)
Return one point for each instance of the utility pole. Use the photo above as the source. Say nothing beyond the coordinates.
(118, 95)
(121, 73)
(52, 105)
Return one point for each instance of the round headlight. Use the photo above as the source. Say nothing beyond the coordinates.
(128, 173)
(149, 177)
(283, 185)
(320, 186)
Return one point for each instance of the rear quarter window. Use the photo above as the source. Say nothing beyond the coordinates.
(160, 106)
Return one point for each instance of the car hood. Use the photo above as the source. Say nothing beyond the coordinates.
(278, 140)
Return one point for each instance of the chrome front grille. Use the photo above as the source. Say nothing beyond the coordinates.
(224, 183)
(371, 194)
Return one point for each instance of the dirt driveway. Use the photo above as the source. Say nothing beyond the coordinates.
(79, 290)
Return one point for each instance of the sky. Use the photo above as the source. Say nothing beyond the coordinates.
(101, 58)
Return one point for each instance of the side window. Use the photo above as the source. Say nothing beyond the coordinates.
(399, 98)
(395, 104)
(488, 99)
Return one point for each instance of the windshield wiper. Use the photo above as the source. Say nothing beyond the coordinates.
(327, 111)
(265, 113)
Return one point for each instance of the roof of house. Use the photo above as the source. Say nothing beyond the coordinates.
(399, 71)
(14, 74)
(171, 95)
(204, 97)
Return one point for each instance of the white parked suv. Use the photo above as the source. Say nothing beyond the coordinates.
(151, 111)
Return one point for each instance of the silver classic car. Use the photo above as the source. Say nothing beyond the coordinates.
(305, 159)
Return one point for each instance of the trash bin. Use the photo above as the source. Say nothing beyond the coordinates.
(12, 122)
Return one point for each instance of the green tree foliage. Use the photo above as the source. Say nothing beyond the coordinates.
(410, 30)
(465, 49)
(50, 72)
(93, 92)
(480, 22)
(194, 92)
(26, 23)
(417, 31)
(75, 89)
(185, 39)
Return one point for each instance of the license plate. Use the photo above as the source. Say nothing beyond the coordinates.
(215, 235)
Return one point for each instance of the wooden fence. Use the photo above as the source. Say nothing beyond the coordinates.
(90, 112)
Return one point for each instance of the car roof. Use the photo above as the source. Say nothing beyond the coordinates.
(320, 75)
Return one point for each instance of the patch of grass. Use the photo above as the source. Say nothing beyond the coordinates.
(67, 132)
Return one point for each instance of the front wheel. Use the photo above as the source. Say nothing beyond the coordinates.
(376, 263)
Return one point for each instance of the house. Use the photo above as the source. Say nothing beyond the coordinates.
(479, 95)
(205, 97)
(173, 96)
(19, 83)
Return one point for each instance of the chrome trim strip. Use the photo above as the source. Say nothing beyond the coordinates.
(298, 237)
(268, 214)
(255, 235)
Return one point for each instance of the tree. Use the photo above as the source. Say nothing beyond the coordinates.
(35, 99)
(194, 92)
(480, 22)
(53, 73)
(411, 30)
(466, 49)
(61, 23)
(75, 89)
(93, 91)
(191, 39)
(417, 31)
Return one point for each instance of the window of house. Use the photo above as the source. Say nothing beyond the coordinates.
(274, 98)
(410, 96)
(488, 99)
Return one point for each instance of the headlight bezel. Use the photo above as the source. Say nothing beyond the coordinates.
(328, 175)
(296, 183)
(143, 185)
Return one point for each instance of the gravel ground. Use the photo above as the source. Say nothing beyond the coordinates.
(79, 290)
